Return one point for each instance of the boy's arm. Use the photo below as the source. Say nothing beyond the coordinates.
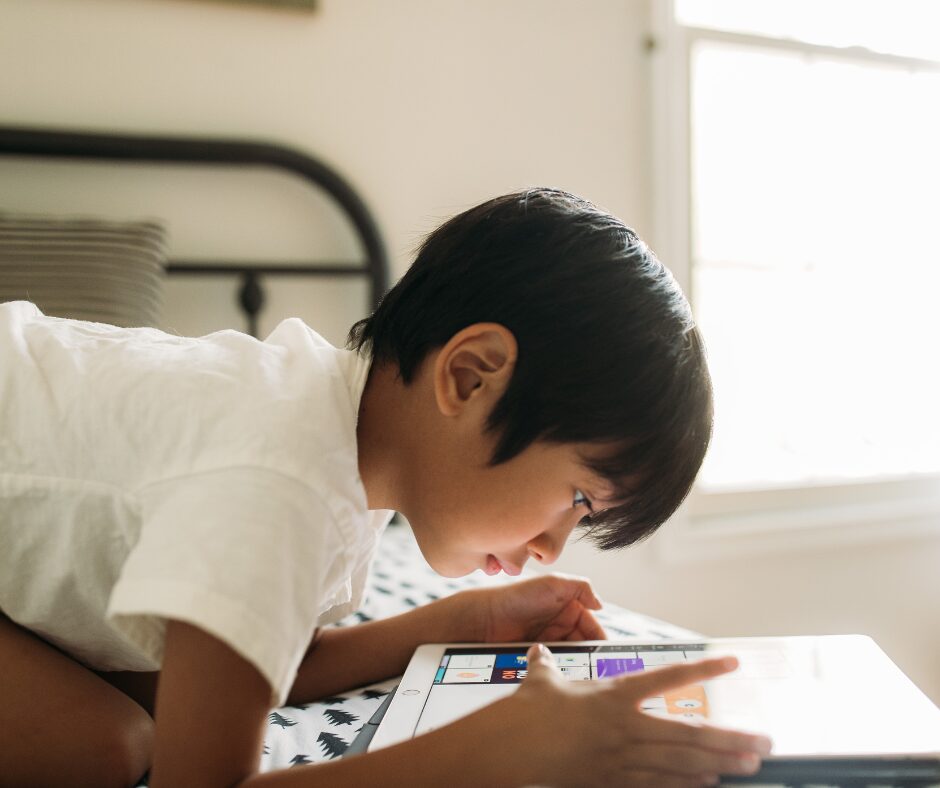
(347, 657)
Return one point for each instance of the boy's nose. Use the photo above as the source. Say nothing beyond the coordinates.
(543, 550)
(547, 547)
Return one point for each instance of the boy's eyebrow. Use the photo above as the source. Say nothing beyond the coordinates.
(601, 492)
(599, 488)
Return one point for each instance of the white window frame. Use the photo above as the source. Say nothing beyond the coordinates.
(718, 525)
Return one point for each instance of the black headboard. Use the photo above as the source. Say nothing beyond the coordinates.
(231, 153)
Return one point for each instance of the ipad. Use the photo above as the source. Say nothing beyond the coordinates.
(836, 707)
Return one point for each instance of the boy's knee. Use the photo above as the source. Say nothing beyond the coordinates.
(124, 750)
(137, 751)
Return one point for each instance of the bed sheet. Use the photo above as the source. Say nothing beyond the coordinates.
(400, 580)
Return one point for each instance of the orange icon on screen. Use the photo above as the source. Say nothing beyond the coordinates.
(468, 675)
(690, 702)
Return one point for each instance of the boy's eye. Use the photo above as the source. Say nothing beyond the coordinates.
(580, 499)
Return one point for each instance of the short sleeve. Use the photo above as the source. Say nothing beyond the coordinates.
(246, 554)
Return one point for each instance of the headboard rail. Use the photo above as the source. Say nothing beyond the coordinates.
(232, 153)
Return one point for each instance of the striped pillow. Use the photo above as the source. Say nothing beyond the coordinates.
(88, 269)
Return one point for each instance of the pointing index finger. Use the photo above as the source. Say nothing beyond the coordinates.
(656, 681)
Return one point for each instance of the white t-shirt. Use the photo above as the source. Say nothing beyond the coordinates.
(145, 476)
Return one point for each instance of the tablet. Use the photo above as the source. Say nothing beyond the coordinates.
(836, 707)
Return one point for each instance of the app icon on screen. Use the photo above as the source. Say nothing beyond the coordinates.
(607, 668)
(511, 660)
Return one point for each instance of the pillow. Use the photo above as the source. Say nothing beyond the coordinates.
(88, 269)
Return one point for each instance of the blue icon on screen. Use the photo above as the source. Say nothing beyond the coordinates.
(511, 660)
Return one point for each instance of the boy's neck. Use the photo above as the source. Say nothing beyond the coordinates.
(385, 437)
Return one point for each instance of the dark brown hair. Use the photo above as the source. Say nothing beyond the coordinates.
(608, 351)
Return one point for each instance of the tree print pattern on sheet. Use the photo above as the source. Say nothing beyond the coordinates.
(332, 745)
(339, 717)
(276, 719)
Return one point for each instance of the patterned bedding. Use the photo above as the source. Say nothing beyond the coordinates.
(401, 579)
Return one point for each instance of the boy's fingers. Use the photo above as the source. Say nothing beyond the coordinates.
(705, 736)
(538, 653)
(588, 597)
(582, 589)
(690, 760)
(540, 661)
(589, 628)
(652, 682)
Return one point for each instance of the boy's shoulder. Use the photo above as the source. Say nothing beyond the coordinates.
(288, 403)
(166, 406)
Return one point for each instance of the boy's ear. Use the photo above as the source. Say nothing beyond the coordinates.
(478, 361)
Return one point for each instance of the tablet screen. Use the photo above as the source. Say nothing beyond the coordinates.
(468, 677)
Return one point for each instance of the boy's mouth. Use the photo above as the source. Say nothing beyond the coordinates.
(494, 566)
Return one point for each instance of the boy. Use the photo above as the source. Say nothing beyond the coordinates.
(192, 510)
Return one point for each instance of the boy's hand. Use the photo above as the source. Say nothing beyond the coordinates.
(549, 607)
(594, 733)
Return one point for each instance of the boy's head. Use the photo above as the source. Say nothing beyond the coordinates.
(607, 353)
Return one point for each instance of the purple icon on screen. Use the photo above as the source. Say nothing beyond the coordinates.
(607, 668)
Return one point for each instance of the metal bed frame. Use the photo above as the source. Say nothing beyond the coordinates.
(231, 153)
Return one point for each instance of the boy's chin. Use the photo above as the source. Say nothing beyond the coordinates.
(454, 573)
(452, 569)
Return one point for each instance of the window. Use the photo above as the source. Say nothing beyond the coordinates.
(800, 153)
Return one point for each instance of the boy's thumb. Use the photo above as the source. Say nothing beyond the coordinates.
(540, 661)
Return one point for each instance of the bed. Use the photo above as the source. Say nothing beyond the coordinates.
(109, 152)
(401, 579)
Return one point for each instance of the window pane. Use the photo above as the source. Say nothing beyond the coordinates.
(900, 27)
(816, 265)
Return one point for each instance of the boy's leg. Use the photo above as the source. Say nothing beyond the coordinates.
(60, 724)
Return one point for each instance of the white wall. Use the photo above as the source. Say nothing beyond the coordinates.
(427, 106)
